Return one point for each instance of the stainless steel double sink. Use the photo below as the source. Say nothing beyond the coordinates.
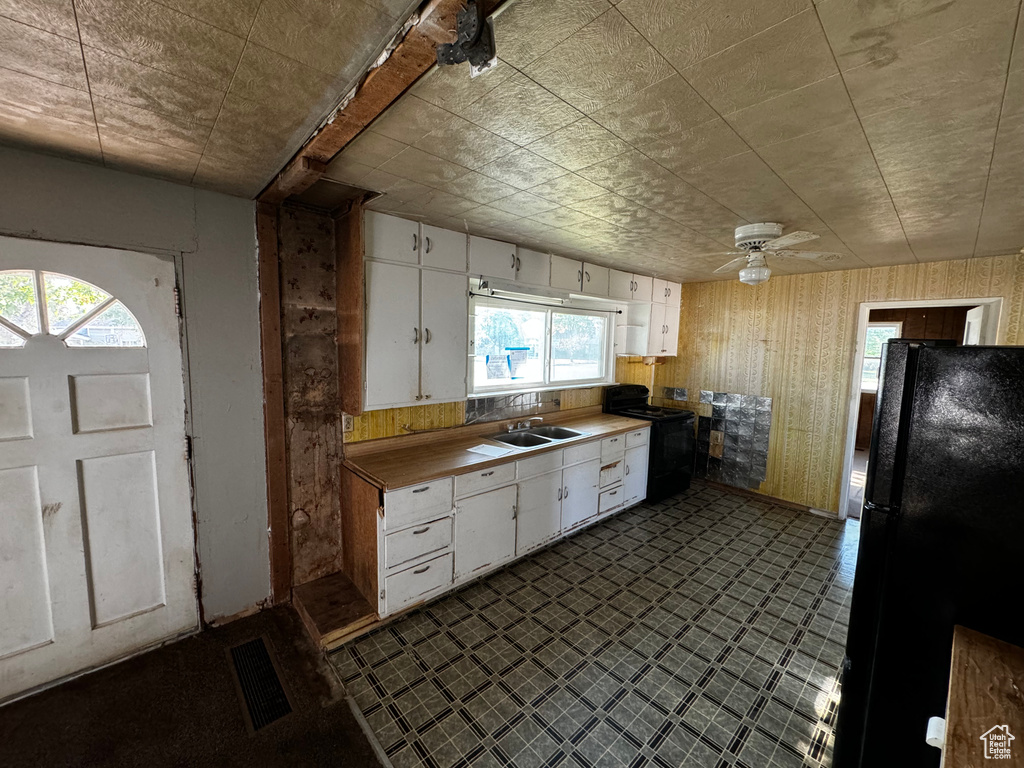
(535, 437)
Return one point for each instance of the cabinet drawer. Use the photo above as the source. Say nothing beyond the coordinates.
(475, 482)
(609, 500)
(611, 474)
(417, 502)
(637, 437)
(613, 447)
(404, 587)
(538, 465)
(418, 541)
(574, 454)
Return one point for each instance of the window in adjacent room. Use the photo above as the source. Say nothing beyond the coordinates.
(878, 334)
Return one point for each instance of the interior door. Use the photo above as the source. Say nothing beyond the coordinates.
(445, 336)
(443, 249)
(579, 492)
(539, 517)
(974, 325)
(392, 335)
(485, 530)
(96, 540)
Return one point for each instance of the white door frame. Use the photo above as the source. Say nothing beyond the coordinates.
(993, 332)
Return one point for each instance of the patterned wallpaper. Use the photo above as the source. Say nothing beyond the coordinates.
(792, 339)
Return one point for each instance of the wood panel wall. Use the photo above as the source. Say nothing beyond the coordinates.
(792, 339)
(925, 322)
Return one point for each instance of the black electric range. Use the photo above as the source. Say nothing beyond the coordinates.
(672, 445)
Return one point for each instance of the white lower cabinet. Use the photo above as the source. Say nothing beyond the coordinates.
(579, 493)
(539, 517)
(407, 586)
(485, 531)
(634, 482)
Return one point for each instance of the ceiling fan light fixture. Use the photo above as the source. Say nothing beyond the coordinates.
(755, 275)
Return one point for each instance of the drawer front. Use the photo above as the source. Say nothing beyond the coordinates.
(538, 465)
(611, 473)
(417, 502)
(474, 482)
(418, 541)
(637, 437)
(609, 500)
(613, 447)
(404, 587)
(575, 454)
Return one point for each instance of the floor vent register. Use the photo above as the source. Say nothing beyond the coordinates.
(259, 683)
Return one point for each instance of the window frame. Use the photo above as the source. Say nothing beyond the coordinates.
(473, 390)
(898, 325)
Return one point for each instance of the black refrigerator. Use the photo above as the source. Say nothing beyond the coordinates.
(942, 541)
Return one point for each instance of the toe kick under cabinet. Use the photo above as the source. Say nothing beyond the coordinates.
(404, 546)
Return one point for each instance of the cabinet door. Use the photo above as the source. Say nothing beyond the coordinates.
(539, 515)
(672, 293)
(391, 238)
(566, 274)
(660, 291)
(643, 288)
(485, 530)
(595, 280)
(634, 483)
(533, 267)
(620, 284)
(445, 317)
(670, 342)
(579, 493)
(443, 249)
(492, 258)
(656, 330)
(392, 335)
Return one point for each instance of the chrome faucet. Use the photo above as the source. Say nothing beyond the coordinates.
(526, 424)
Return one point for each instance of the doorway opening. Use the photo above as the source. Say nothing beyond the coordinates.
(966, 321)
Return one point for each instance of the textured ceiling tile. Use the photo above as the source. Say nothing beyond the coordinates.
(561, 217)
(529, 28)
(57, 16)
(416, 165)
(444, 203)
(523, 204)
(811, 108)
(452, 88)
(785, 57)
(1002, 225)
(578, 145)
(238, 176)
(241, 134)
(334, 36)
(179, 132)
(688, 31)
(622, 170)
(487, 216)
(41, 54)
(464, 143)
(161, 38)
(481, 189)
(43, 132)
(23, 97)
(372, 149)
(409, 120)
(568, 189)
(707, 144)
(403, 189)
(520, 110)
(151, 89)
(663, 110)
(234, 16)
(523, 169)
(283, 84)
(865, 32)
(971, 60)
(345, 170)
(328, 195)
(396, 9)
(128, 153)
(602, 63)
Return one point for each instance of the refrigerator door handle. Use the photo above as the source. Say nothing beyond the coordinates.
(888, 511)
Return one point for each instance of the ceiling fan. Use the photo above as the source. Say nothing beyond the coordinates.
(756, 241)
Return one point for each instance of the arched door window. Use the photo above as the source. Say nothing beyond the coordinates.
(34, 302)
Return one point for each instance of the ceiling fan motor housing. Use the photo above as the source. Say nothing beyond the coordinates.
(756, 235)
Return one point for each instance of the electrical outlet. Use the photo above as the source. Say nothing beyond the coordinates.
(346, 423)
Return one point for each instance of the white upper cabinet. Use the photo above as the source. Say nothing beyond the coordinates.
(626, 285)
(670, 344)
(533, 267)
(444, 313)
(392, 334)
(663, 334)
(492, 258)
(595, 280)
(643, 288)
(566, 274)
(666, 292)
(391, 239)
(672, 294)
(442, 249)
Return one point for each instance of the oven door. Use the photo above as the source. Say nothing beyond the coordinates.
(670, 464)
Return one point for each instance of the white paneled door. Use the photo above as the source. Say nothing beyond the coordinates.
(96, 539)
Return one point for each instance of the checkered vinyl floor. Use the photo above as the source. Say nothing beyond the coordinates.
(706, 630)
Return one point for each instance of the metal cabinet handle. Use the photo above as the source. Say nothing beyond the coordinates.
(421, 530)
(519, 264)
(428, 245)
(426, 397)
(415, 241)
(421, 490)
(559, 494)
(424, 569)
(426, 336)
(627, 469)
(566, 494)
(415, 335)
(613, 493)
(487, 474)
(579, 275)
(614, 440)
(513, 261)
(587, 275)
(515, 512)
(418, 397)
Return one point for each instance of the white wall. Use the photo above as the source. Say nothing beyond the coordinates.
(52, 199)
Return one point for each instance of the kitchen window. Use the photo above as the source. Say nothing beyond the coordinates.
(877, 336)
(518, 346)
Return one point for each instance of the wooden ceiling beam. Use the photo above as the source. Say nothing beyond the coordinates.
(414, 55)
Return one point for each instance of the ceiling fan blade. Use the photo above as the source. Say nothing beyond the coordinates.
(793, 238)
(809, 255)
(731, 265)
